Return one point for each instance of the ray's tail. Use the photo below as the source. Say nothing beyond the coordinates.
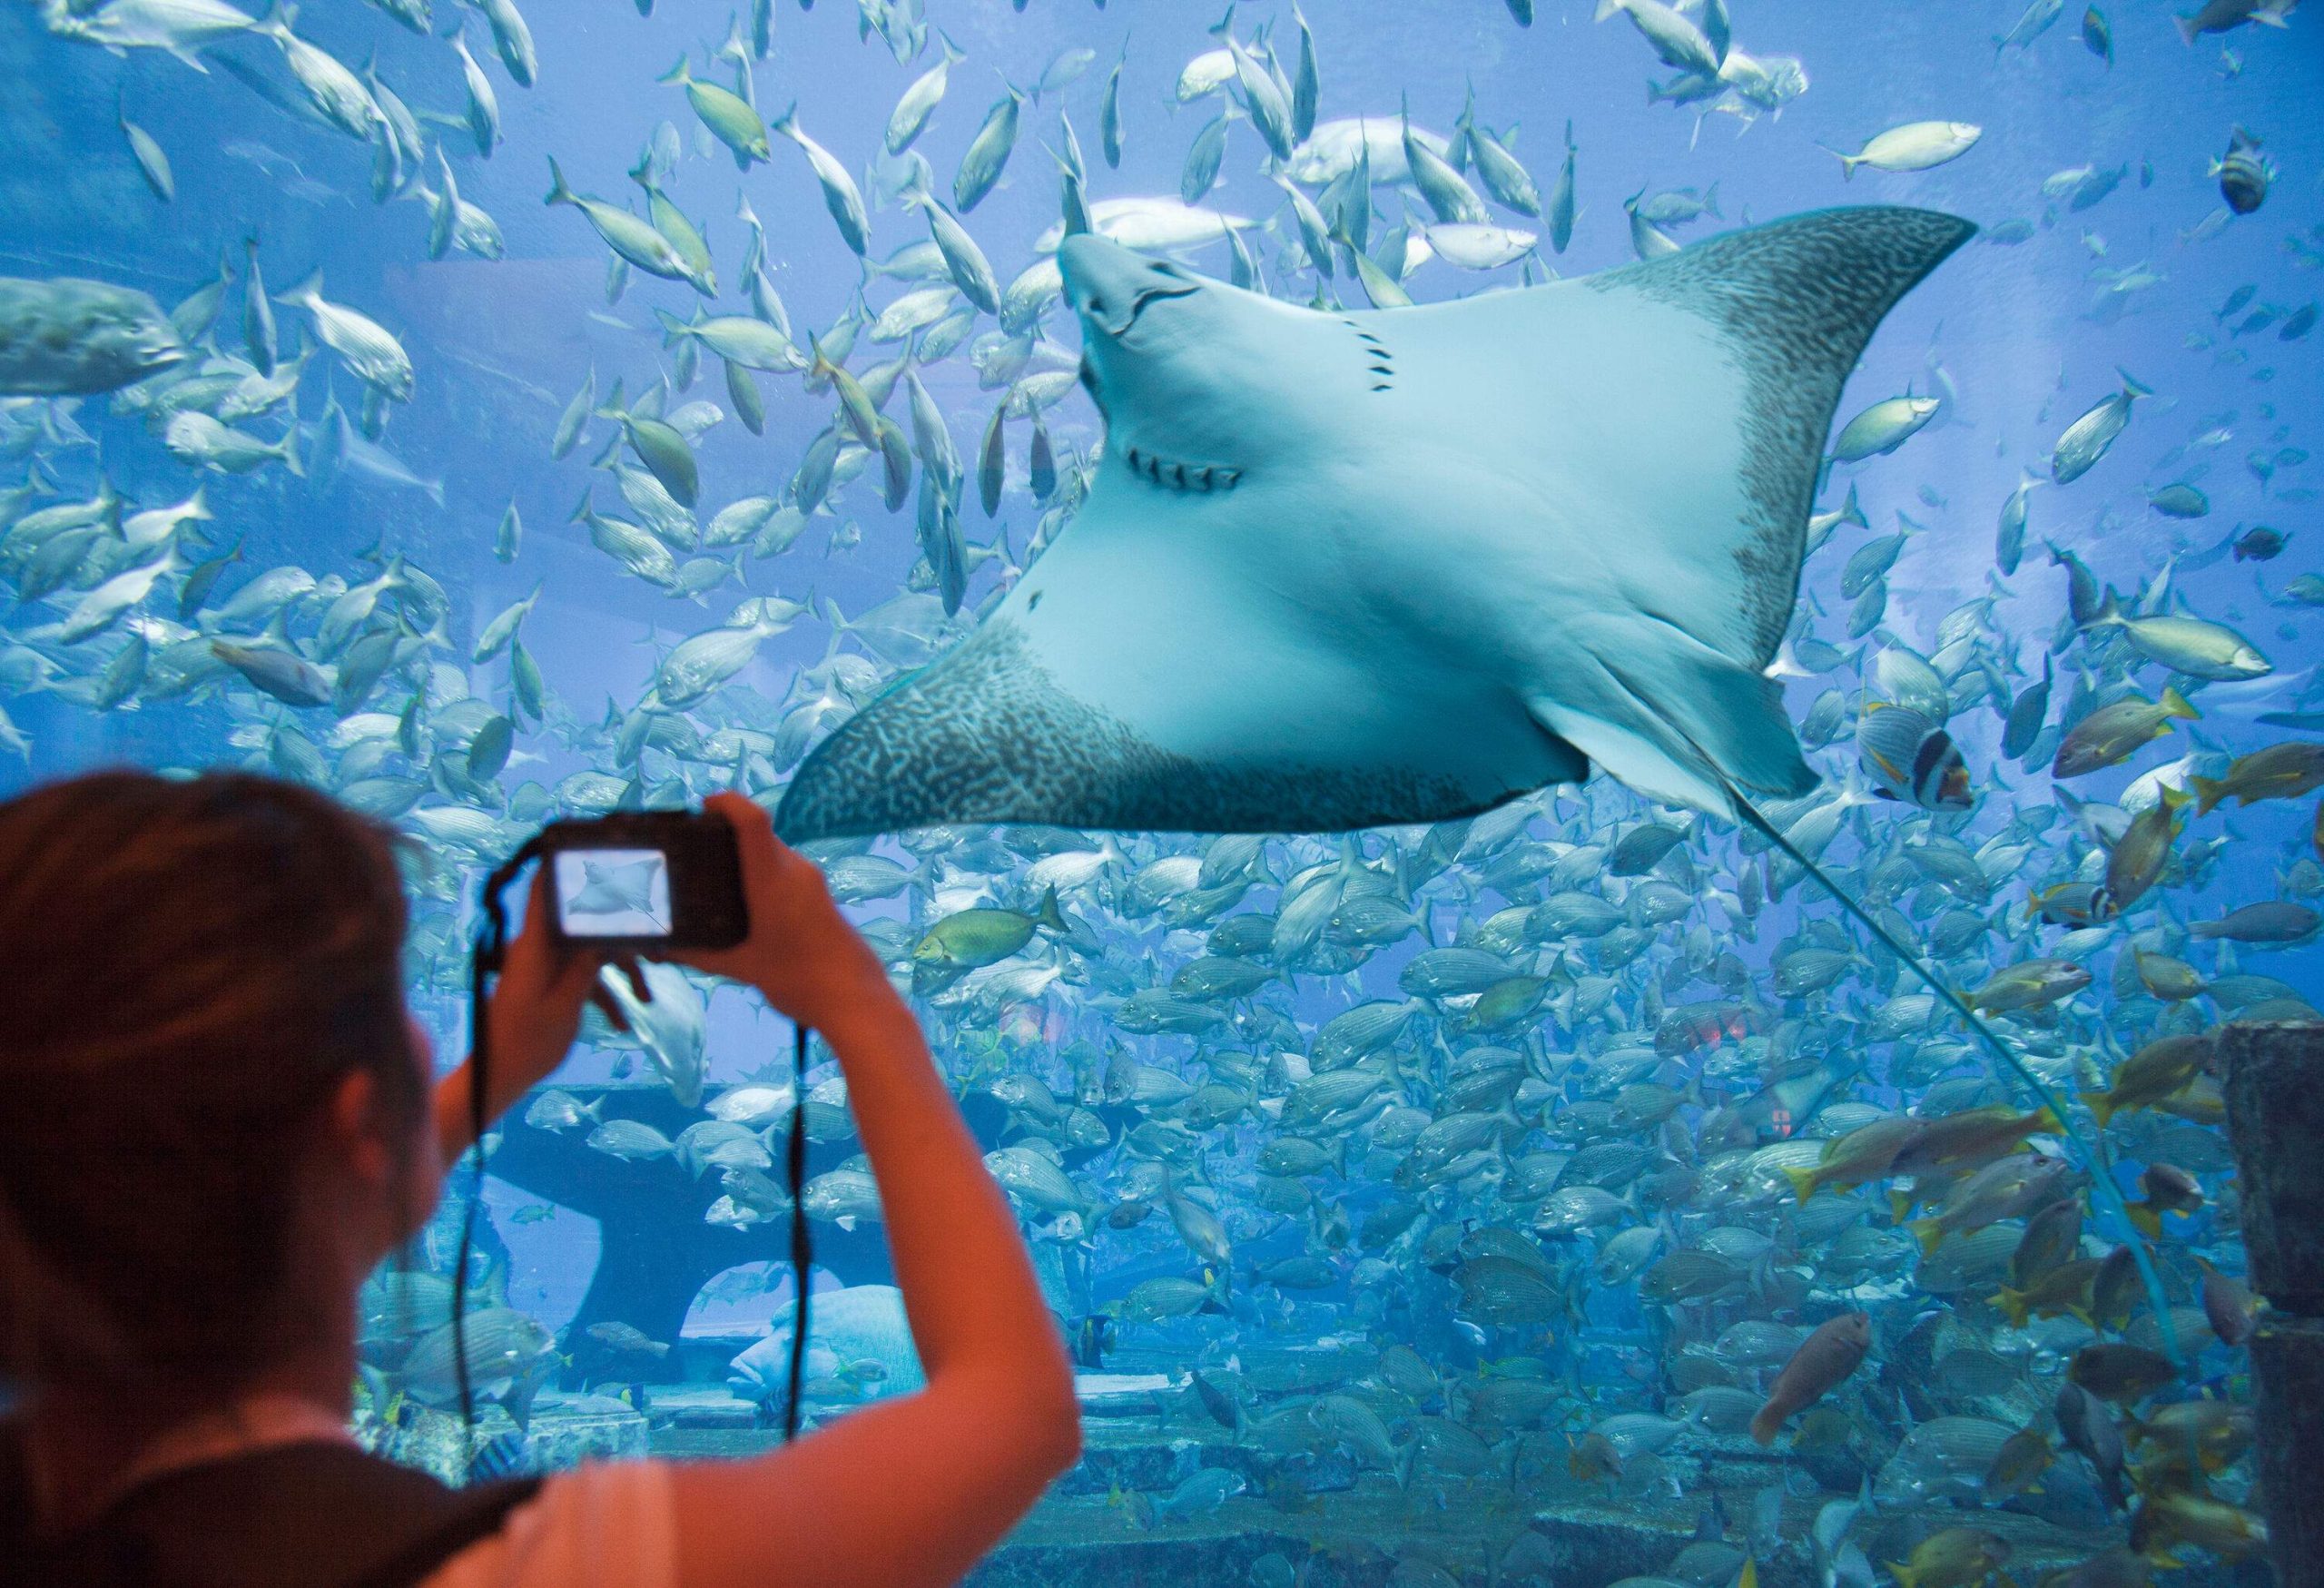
(2102, 1188)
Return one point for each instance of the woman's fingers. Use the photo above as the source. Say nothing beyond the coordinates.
(760, 851)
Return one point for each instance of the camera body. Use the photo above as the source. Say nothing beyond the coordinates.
(645, 881)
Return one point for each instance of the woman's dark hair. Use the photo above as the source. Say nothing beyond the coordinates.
(191, 967)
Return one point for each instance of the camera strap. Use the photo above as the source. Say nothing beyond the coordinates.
(802, 1246)
(484, 963)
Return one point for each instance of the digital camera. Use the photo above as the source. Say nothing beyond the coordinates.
(645, 881)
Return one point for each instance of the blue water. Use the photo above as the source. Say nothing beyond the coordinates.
(2018, 338)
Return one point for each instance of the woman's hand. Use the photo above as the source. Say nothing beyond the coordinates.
(530, 1021)
(801, 953)
(536, 1008)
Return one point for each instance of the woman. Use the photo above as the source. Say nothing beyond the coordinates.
(216, 1119)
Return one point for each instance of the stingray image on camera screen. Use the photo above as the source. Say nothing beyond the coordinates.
(613, 893)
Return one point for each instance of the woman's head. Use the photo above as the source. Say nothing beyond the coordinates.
(206, 1023)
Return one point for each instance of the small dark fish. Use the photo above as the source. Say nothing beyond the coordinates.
(2052, 1238)
(2227, 1306)
(1109, 119)
(992, 463)
(2169, 1189)
(504, 1456)
(1223, 1407)
(1912, 758)
(2257, 544)
(1642, 848)
(2084, 601)
(2073, 904)
(1043, 468)
(2242, 173)
(1091, 1341)
(2117, 1371)
(2097, 34)
(2090, 1428)
(2275, 920)
(488, 751)
(2027, 713)
(2179, 500)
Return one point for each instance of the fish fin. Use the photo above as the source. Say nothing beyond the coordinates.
(1803, 1183)
(306, 291)
(1679, 721)
(1929, 1232)
(1848, 162)
(2147, 1222)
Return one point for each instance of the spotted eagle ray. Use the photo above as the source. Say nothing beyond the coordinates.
(616, 888)
(1340, 570)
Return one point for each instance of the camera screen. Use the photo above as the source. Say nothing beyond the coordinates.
(613, 893)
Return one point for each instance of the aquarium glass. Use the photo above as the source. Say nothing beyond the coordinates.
(496, 413)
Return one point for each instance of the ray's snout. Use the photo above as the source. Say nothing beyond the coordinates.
(1107, 284)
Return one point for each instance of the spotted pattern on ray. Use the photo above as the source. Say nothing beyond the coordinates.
(1015, 748)
(1795, 302)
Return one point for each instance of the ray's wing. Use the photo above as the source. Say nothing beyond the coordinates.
(1145, 674)
(1793, 304)
(1693, 394)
